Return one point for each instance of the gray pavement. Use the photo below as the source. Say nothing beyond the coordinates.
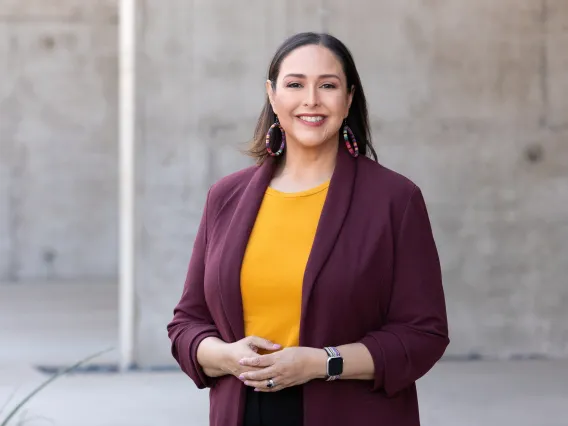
(57, 324)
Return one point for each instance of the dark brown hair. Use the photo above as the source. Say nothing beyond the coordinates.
(358, 118)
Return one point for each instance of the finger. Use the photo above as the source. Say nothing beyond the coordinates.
(262, 385)
(258, 375)
(256, 342)
(274, 389)
(257, 384)
(278, 386)
(258, 361)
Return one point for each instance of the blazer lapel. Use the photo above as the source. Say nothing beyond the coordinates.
(235, 244)
(333, 214)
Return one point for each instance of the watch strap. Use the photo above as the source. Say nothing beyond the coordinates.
(332, 352)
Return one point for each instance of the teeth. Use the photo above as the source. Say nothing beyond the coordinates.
(312, 119)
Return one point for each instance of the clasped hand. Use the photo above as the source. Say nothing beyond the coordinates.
(289, 367)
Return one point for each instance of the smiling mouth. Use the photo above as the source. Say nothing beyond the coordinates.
(312, 119)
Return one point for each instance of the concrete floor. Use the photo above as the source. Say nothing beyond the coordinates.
(57, 324)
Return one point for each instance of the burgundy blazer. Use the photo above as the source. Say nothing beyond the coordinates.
(373, 276)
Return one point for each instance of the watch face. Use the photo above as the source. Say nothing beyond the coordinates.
(335, 366)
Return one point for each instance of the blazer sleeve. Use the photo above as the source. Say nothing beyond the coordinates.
(192, 321)
(415, 333)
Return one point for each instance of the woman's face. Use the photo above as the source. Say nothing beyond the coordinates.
(311, 98)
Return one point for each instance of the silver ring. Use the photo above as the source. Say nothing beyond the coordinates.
(270, 384)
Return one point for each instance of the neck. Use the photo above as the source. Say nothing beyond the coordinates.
(307, 166)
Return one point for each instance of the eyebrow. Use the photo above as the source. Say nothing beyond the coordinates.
(321, 76)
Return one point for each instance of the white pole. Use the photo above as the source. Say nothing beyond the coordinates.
(127, 121)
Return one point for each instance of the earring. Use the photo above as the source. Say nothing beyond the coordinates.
(268, 135)
(348, 133)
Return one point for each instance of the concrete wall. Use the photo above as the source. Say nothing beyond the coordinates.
(467, 98)
(58, 187)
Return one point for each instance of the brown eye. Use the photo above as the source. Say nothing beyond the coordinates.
(294, 85)
(328, 86)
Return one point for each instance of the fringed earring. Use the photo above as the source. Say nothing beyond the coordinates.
(350, 144)
(269, 134)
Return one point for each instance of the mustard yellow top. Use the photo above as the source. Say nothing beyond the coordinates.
(273, 267)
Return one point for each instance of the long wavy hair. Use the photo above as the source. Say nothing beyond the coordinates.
(358, 118)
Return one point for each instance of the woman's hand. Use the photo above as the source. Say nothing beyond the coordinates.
(288, 367)
(244, 348)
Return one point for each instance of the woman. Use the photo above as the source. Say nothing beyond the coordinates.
(314, 294)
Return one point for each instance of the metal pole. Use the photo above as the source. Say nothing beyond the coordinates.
(127, 121)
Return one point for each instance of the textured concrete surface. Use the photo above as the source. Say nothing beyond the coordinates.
(59, 324)
(467, 98)
(58, 140)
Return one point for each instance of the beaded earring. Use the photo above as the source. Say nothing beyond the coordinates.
(268, 135)
(348, 133)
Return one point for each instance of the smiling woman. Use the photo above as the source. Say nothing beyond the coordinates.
(313, 75)
(314, 292)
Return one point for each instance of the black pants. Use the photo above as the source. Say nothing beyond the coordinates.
(282, 408)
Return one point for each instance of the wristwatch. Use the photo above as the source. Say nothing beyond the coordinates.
(334, 363)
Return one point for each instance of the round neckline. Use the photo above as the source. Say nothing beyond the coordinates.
(321, 187)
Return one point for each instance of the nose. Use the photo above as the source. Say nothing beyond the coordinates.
(312, 97)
